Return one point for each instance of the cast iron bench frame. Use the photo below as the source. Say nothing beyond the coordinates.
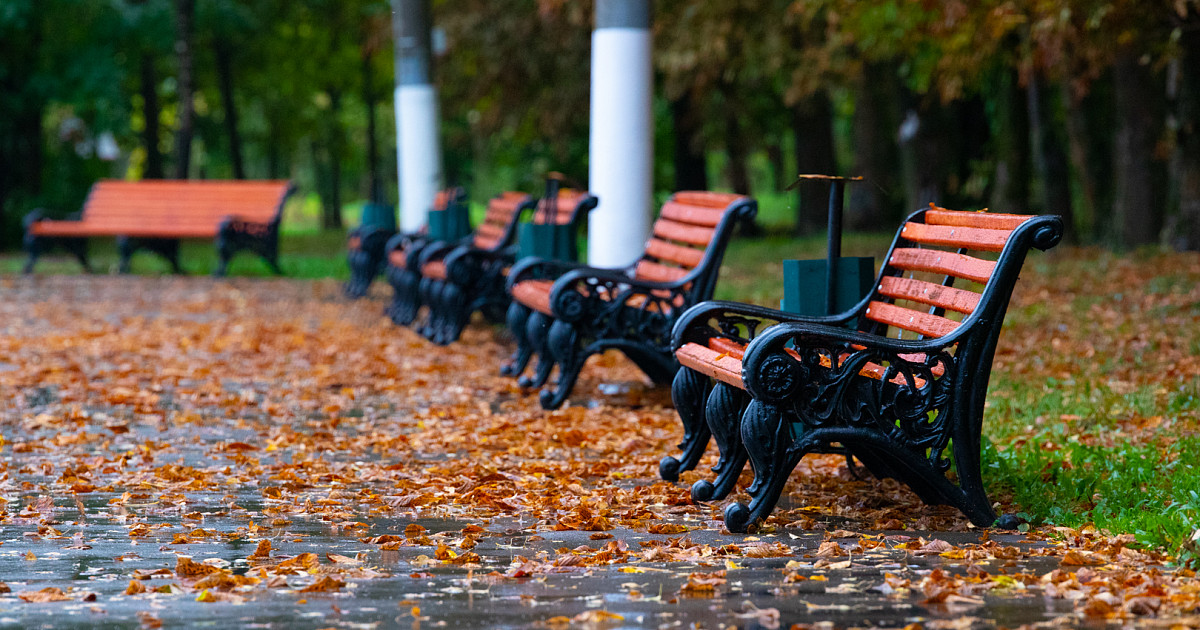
(565, 312)
(156, 214)
(367, 246)
(786, 386)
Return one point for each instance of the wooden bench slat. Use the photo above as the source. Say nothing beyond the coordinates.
(708, 216)
(949, 298)
(910, 320)
(656, 272)
(983, 239)
(706, 198)
(398, 259)
(987, 220)
(682, 232)
(686, 256)
(565, 204)
(123, 230)
(722, 366)
(435, 269)
(535, 294)
(948, 263)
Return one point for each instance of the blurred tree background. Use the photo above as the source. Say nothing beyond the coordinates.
(1086, 108)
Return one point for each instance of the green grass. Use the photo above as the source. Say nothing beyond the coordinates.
(302, 255)
(1057, 449)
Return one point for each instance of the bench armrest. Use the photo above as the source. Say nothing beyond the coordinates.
(794, 354)
(364, 232)
(585, 289)
(435, 250)
(465, 263)
(234, 224)
(739, 321)
(534, 268)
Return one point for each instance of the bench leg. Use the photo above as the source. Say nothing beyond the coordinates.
(537, 331)
(363, 269)
(169, 249)
(688, 392)
(517, 317)
(564, 344)
(273, 263)
(125, 249)
(428, 290)
(724, 410)
(456, 312)
(766, 440)
(33, 247)
(406, 297)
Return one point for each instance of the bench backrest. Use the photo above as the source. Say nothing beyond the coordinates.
(944, 265)
(689, 237)
(444, 198)
(499, 223)
(568, 207)
(182, 206)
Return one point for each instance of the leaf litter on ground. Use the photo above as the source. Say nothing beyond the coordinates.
(195, 414)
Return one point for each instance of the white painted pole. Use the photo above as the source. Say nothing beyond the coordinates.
(418, 152)
(621, 151)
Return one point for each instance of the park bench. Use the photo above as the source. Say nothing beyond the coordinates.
(156, 214)
(367, 245)
(893, 382)
(458, 281)
(564, 312)
(406, 263)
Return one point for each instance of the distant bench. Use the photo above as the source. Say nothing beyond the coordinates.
(156, 214)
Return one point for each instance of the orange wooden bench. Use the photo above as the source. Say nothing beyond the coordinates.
(898, 382)
(156, 214)
(564, 312)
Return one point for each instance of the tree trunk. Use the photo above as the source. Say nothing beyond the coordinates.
(22, 108)
(875, 153)
(374, 185)
(185, 12)
(691, 171)
(224, 57)
(1089, 172)
(923, 152)
(812, 130)
(1049, 157)
(1187, 142)
(779, 176)
(1136, 211)
(736, 150)
(331, 208)
(151, 113)
(274, 147)
(1011, 138)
